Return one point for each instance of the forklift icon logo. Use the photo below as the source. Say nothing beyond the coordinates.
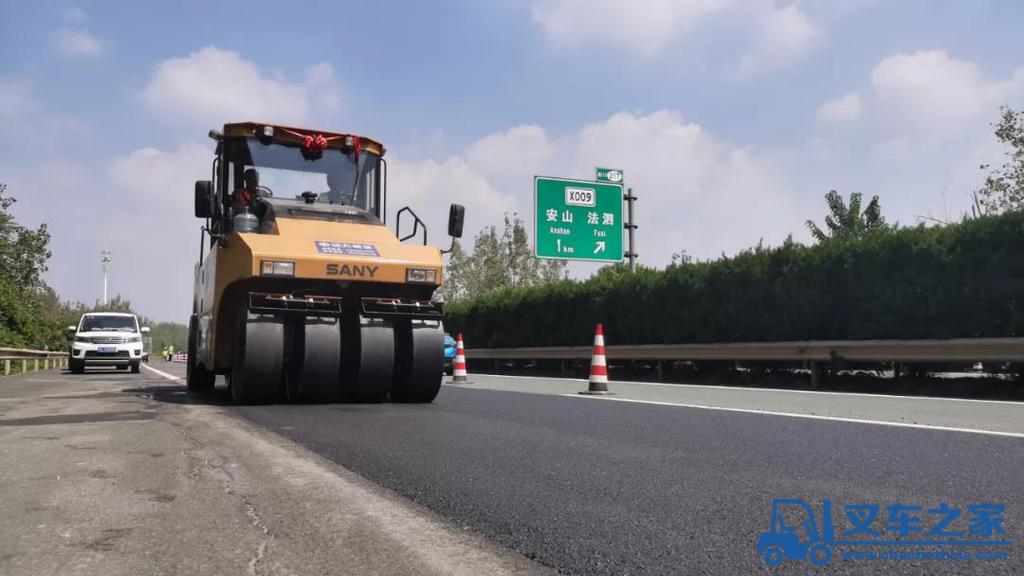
(806, 539)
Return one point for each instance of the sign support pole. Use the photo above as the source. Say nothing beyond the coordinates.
(631, 226)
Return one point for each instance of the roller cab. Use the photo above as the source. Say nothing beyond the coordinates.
(302, 293)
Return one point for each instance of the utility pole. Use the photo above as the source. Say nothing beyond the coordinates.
(105, 264)
(631, 226)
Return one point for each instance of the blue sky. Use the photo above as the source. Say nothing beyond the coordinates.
(732, 118)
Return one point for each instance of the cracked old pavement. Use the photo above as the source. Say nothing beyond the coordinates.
(115, 473)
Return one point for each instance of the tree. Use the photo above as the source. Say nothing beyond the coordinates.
(848, 222)
(32, 315)
(497, 261)
(1004, 186)
(28, 316)
(23, 252)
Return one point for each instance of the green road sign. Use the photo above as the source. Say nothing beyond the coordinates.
(613, 175)
(577, 219)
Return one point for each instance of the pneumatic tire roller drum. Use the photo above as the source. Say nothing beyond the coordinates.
(368, 359)
(258, 361)
(197, 377)
(420, 365)
(313, 360)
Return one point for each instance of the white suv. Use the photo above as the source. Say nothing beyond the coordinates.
(106, 339)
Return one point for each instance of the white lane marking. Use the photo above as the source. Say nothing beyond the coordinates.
(807, 416)
(752, 389)
(162, 373)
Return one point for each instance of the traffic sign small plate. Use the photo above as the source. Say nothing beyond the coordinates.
(613, 175)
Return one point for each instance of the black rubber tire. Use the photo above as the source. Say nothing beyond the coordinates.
(258, 360)
(368, 359)
(197, 377)
(136, 368)
(76, 366)
(313, 360)
(420, 366)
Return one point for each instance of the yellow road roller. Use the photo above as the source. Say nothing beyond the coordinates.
(302, 292)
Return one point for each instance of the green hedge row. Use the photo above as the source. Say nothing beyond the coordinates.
(963, 280)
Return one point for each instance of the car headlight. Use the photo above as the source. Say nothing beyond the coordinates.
(84, 339)
(421, 275)
(277, 268)
(135, 338)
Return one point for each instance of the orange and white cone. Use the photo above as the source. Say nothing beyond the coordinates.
(459, 374)
(598, 366)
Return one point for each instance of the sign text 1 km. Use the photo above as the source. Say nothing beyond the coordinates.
(577, 219)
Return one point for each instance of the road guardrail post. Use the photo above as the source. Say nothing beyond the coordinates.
(815, 376)
(35, 364)
(7, 367)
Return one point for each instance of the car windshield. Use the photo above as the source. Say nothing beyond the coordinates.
(108, 323)
(285, 173)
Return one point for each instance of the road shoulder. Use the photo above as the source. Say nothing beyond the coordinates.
(119, 474)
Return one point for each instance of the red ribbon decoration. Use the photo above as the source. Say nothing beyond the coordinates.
(312, 145)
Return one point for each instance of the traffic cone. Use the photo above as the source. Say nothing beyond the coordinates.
(459, 374)
(598, 366)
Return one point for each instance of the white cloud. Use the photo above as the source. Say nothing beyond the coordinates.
(842, 109)
(76, 44)
(931, 91)
(696, 192)
(515, 152)
(74, 14)
(16, 98)
(428, 187)
(153, 234)
(645, 28)
(213, 86)
(784, 35)
(923, 125)
(779, 36)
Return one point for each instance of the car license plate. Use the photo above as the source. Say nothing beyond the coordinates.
(106, 350)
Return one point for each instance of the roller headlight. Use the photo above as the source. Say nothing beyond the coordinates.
(277, 268)
(421, 275)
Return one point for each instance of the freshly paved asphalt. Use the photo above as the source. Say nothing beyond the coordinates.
(592, 487)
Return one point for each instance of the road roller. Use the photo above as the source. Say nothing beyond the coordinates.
(303, 293)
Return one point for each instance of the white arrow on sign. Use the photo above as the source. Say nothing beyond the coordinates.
(600, 247)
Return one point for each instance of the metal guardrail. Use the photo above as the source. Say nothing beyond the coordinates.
(953, 350)
(31, 359)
